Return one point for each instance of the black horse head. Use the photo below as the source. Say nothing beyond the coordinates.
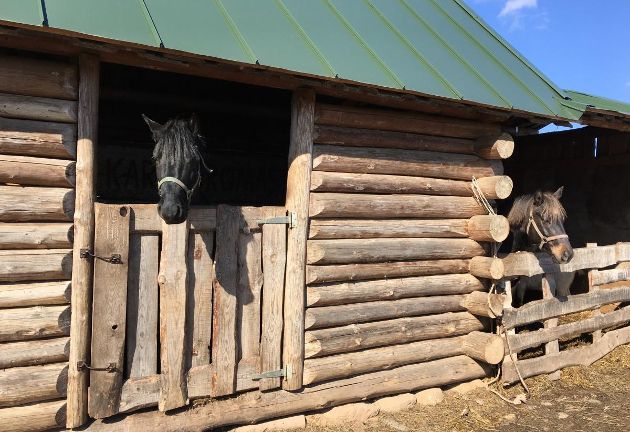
(540, 218)
(178, 164)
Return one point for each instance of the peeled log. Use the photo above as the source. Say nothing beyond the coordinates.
(36, 203)
(37, 108)
(485, 347)
(340, 205)
(333, 316)
(34, 417)
(35, 138)
(487, 267)
(35, 264)
(323, 181)
(391, 289)
(359, 336)
(35, 235)
(375, 359)
(34, 77)
(484, 304)
(493, 228)
(348, 272)
(34, 323)
(26, 170)
(364, 160)
(401, 121)
(495, 146)
(34, 294)
(383, 228)
(374, 138)
(351, 251)
(36, 352)
(33, 384)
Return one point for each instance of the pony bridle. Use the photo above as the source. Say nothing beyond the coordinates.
(178, 182)
(543, 238)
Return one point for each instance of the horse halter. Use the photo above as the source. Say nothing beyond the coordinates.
(178, 182)
(543, 238)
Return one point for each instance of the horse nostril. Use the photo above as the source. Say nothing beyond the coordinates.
(566, 256)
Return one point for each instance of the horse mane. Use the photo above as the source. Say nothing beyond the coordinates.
(551, 209)
(178, 142)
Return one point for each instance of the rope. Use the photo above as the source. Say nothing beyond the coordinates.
(483, 201)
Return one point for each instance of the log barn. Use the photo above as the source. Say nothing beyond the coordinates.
(339, 251)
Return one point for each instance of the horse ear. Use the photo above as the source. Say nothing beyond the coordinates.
(558, 193)
(538, 198)
(156, 128)
(194, 124)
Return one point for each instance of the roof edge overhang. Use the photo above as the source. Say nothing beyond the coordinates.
(64, 42)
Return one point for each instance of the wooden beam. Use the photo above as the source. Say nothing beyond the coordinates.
(350, 272)
(484, 304)
(492, 228)
(38, 322)
(391, 289)
(487, 267)
(109, 318)
(87, 133)
(26, 170)
(35, 235)
(371, 160)
(494, 146)
(34, 294)
(297, 201)
(225, 283)
(552, 308)
(602, 277)
(35, 416)
(274, 258)
(22, 385)
(36, 204)
(320, 229)
(35, 352)
(368, 118)
(173, 280)
(353, 251)
(37, 108)
(34, 77)
(145, 219)
(35, 264)
(255, 406)
(36, 138)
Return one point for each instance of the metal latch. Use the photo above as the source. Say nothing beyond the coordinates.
(111, 368)
(112, 259)
(290, 219)
(287, 373)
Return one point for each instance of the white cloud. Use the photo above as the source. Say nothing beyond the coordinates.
(514, 6)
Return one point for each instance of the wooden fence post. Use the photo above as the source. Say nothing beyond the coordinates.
(298, 189)
(597, 334)
(549, 291)
(83, 238)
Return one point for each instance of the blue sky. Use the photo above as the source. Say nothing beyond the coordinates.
(581, 45)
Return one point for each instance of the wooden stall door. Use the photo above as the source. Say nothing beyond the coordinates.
(179, 310)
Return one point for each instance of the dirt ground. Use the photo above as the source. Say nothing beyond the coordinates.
(596, 398)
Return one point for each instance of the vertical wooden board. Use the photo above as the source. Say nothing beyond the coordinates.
(274, 259)
(173, 281)
(549, 291)
(250, 280)
(597, 335)
(109, 308)
(142, 306)
(225, 301)
(199, 314)
(298, 189)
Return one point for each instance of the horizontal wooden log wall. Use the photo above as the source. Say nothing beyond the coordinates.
(607, 330)
(38, 138)
(397, 243)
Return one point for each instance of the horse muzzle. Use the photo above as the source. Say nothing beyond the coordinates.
(172, 213)
(562, 253)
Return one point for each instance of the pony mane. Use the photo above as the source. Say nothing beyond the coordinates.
(177, 142)
(551, 209)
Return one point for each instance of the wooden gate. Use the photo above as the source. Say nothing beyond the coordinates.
(178, 309)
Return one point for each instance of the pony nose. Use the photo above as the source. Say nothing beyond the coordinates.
(567, 255)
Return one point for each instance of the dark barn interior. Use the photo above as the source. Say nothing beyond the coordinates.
(246, 129)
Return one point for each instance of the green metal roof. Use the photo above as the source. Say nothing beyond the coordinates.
(433, 47)
(600, 103)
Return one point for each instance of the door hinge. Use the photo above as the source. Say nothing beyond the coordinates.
(287, 373)
(111, 368)
(290, 219)
(112, 259)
